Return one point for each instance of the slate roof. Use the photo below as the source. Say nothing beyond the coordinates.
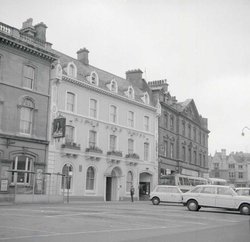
(104, 77)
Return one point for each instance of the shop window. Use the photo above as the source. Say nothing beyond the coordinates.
(22, 166)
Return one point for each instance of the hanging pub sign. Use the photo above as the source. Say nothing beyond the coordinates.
(59, 127)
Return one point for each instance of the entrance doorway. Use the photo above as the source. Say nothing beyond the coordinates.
(108, 188)
(113, 181)
(144, 186)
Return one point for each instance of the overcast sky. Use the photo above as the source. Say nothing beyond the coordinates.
(201, 47)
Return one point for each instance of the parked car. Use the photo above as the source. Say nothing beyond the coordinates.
(243, 191)
(216, 196)
(164, 193)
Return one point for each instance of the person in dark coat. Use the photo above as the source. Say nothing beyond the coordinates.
(132, 192)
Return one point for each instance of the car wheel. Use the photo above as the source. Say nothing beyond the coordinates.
(192, 205)
(155, 200)
(245, 209)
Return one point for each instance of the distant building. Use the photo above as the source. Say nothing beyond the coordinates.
(233, 167)
(183, 134)
(25, 62)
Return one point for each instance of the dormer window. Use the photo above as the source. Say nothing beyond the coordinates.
(113, 86)
(145, 98)
(130, 92)
(71, 70)
(94, 79)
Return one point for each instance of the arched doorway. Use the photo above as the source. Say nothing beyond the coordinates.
(145, 185)
(113, 177)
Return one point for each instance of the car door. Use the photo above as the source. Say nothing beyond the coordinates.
(176, 195)
(206, 196)
(225, 198)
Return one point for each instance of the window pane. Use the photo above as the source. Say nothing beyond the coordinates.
(130, 146)
(93, 108)
(92, 138)
(90, 179)
(70, 101)
(69, 134)
(26, 120)
(28, 77)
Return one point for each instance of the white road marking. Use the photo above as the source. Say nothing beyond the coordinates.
(84, 232)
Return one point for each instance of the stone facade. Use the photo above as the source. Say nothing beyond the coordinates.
(110, 135)
(183, 135)
(25, 60)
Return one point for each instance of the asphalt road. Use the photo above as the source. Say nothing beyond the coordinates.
(120, 221)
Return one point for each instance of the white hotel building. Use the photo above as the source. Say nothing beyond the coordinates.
(111, 131)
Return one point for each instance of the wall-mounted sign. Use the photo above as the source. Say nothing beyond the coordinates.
(59, 127)
(4, 186)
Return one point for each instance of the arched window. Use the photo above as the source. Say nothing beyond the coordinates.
(90, 180)
(67, 177)
(26, 116)
(25, 164)
(71, 69)
(129, 181)
(94, 79)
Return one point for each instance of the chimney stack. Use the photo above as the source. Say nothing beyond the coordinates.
(28, 28)
(134, 75)
(83, 56)
(41, 31)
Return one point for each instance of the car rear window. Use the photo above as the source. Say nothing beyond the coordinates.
(224, 191)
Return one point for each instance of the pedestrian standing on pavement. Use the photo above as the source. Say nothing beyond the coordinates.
(132, 192)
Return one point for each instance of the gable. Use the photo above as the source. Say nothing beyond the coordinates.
(191, 111)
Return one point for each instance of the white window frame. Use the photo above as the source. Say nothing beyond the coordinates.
(27, 104)
(90, 180)
(93, 110)
(146, 151)
(28, 167)
(115, 143)
(27, 78)
(95, 139)
(72, 104)
(113, 117)
(146, 123)
(71, 66)
(96, 81)
(131, 119)
(69, 139)
(131, 146)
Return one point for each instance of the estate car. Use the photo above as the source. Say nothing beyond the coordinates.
(217, 197)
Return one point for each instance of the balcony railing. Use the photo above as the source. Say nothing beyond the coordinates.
(114, 153)
(133, 156)
(71, 145)
(94, 149)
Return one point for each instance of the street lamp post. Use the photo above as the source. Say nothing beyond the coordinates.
(242, 132)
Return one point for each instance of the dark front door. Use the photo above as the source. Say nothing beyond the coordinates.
(144, 190)
(108, 188)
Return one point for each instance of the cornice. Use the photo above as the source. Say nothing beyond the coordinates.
(108, 93)
(28, 47)
(22, 138)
